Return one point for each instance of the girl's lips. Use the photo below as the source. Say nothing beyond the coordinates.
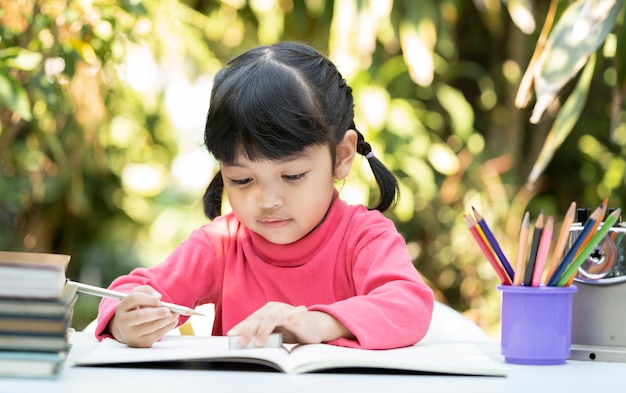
(274, 222)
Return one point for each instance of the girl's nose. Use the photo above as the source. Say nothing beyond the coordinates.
(269, 198)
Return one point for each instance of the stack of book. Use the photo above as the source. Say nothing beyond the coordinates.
(35, 314)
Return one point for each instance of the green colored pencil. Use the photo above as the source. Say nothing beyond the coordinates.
(588, 249)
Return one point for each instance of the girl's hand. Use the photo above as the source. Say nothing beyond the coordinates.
(297, 324)
(140, 320)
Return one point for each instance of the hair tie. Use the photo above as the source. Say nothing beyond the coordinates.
(369, 155)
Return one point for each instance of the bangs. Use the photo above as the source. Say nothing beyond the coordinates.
(262, 110)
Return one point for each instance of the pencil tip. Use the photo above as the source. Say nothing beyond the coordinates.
(572, 209)
(468, 220)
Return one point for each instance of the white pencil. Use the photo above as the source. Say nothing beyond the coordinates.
(96, 291)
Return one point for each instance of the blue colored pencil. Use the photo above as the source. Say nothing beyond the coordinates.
(494, 244)
(589, 247)
(571, 253)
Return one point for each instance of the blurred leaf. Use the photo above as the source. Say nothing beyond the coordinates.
(14, 96)
(521, 12)
(85, 50)
(524, 91)
(443, 159)
(565, 121)
(460, 111)
(19, 58)
(582, 28)
(418, 37)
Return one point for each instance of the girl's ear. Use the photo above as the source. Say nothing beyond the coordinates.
(346, 149)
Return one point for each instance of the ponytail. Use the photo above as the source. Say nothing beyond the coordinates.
(212, 200)
(387, 182)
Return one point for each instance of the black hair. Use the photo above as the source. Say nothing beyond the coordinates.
(273, 102)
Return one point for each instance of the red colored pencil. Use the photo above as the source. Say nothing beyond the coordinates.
(479, 237)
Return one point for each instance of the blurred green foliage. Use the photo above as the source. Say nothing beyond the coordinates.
(102, 106)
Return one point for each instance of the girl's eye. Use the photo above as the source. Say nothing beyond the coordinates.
(294, 177)
(240, 182)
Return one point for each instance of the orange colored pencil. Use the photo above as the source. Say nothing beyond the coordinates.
(544, 247)
(599, 212)
(491, 257)
(520, 264)
(568, 275)
(559, 248)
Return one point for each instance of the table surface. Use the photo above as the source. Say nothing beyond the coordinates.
(574, 375)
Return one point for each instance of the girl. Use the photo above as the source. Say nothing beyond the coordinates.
(292, 257)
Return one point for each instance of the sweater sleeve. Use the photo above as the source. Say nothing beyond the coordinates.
(193, 263)
(393, 306)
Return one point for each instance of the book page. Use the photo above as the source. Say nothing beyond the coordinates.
(441, 358)
(447, 358)
(181, 349)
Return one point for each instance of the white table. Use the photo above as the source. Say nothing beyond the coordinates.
(574, 376)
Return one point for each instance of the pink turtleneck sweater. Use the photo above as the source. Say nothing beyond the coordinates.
(354, 266)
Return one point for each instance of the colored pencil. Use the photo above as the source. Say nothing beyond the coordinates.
(589, 247)
(542, 255)
(559, 248)
(571, 253)
(521, 250)
(601, 212)
(494, 244)
(534, 248)
(474, 230)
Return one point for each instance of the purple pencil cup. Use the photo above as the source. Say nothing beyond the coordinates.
(536, 324)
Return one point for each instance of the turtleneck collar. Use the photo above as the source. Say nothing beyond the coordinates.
(301, 251)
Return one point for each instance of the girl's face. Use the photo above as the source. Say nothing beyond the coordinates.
(285, 200)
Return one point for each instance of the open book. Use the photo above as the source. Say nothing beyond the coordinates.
(457, 358)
